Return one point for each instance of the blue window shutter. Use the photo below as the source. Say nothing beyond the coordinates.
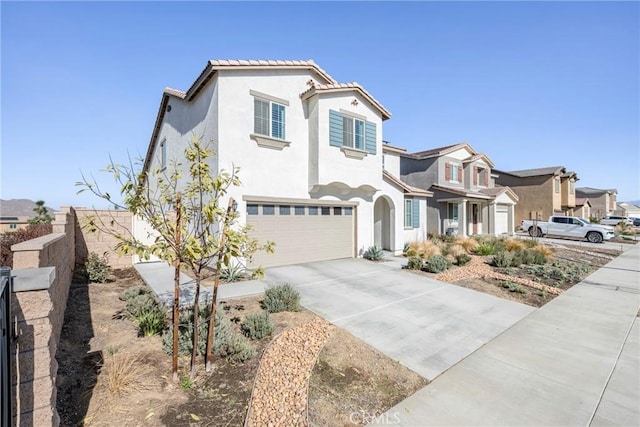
(335, 128)
(416, 213)
(370, 139)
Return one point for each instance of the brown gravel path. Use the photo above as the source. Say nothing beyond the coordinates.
(280, 390)
(477, 267)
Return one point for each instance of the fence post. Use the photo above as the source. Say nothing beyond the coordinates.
(5, 346)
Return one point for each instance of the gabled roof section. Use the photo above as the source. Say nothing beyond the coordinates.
(581, 201)
(442, 151)
(392, 149)
(346, 87)
(526, 173)
(596, 191)
(462, 192)
(479, 156)
(215, 65)
(496, 191)
(407, 189)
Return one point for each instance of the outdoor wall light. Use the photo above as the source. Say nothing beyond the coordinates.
(234, 206)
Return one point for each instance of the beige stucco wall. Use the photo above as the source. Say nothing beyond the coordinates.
(535, 195)
(100, 242)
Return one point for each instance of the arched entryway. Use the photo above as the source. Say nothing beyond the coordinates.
(383, 215)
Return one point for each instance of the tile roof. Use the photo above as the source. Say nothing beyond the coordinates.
(433, 152)
(525, 173)
(175, 92)
(479, 156)
(341, 87)
(264, 63)
(462, 192)
(593, 191)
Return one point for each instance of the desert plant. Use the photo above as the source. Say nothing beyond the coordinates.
(238, 349)
(455, 250)
(463, 259)
(424, 249)
(97, 267)
(405, 248)
(124, 373)
(257, 325)
(503, 259)
(415, 263)
(513, 245)
(283, 297)
(485, 248)
(232, 273)
(138, 304)
(514, 287)
(468, 243)
(437, 264)
(133, 291)
(151, 321)
(374, 253)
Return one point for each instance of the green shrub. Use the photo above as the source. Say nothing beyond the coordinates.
(514, 287)
(539, 258)
(97, 267)
(374, 253)
(257, 325)
(437, 264)
(463, 259)
(485, 248)
(283, 297)
(232, 273)
(133, 291)
(238, 349)
(138, 304)
(415, 263)
(151, 321)
(405, 249)
(503, 259)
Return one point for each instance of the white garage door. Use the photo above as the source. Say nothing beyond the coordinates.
(302, 232)
(502, 219)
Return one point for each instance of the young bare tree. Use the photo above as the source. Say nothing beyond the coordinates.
(193, 228)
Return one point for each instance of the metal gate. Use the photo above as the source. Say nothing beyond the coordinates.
(6, 285)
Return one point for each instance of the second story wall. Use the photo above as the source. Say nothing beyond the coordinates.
(419, 173)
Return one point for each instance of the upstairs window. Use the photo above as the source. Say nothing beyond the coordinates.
(268, 118)
(480, 176)
(557, 184)
(353, 132)
(572, 186)
(452, 172)
(163, 154)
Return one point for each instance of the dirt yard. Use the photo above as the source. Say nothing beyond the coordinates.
(109, 375)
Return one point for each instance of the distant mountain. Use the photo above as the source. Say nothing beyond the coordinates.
(19, 207)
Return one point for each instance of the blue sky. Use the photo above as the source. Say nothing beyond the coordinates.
(531, 84)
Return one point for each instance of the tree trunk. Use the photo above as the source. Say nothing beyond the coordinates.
(176, 290)
(196, 309)
(214, 297)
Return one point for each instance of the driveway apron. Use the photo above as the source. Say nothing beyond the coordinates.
(424, 324)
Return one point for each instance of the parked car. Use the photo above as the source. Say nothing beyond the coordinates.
(615, 220)
(636, 222)
(568, 226)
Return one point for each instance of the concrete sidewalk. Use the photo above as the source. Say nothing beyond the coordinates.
(573, 362)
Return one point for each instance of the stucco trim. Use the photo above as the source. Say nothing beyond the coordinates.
(267, 142)
(353, 153)
(268, 97)
(352, 114)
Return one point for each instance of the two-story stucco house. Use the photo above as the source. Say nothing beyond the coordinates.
(603, 201)
(310, 155)
(542, 191)
(465, 199)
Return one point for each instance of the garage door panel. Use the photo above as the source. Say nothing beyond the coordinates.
(303, 238)
(502, 219)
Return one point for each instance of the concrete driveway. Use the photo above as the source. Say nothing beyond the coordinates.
(426, 325)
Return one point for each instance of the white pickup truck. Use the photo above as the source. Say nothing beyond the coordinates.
(568, 226)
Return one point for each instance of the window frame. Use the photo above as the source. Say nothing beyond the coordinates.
(163, 154)
(451, 209)
(408, 213)
(453, 172)
(350, 136)
(270, 110)
(557, 185)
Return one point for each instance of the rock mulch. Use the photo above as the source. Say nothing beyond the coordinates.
(281, 386)
(477, 267)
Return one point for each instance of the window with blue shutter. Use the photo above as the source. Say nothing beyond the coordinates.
(268, 118)
(408, 213)
(416, 214)
(346, 131)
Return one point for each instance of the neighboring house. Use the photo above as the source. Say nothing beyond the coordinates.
(583, 208)
(310, 155)
(603, 201)
(542, 192)
(13, 223)
(465, 199)
(628, 209)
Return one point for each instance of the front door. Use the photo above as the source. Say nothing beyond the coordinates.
(474, 216)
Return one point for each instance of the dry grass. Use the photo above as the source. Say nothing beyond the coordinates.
(513, 245)
(125, 373)
(424, 249)
(545, 250)
(456, 249)
(469, 244)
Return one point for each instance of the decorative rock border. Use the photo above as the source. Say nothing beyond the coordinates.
(478, 268)
(279, 396)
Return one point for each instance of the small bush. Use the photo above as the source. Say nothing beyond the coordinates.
(238, 349)
(424, 249)
(455, 250)
(513, 245)
(502, 259)
(151, 321)
(415, 263)
(485, 248)
(97, 267)
(138, 304)
(437, 264)
(283, 297)
(405, 248)
(125, 373)
(468, 243)
(232, 273)
(133, 291)
(463, 259)
(257, 325)
(545, 250)
(374, 253)
(514, 287)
